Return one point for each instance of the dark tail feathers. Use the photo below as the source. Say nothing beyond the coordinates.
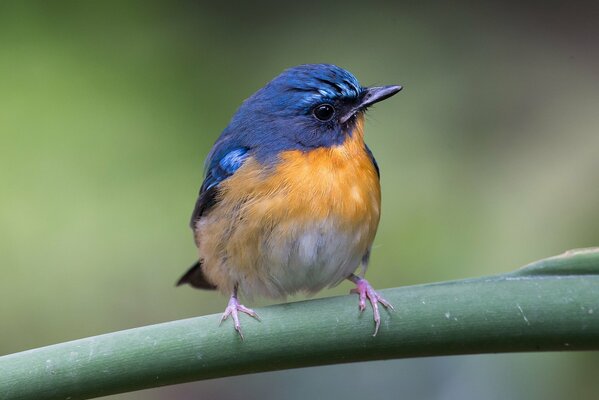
(196, 278)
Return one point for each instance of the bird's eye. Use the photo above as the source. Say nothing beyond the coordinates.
(324, 112)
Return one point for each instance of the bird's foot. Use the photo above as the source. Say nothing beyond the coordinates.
(365, 290)
(232, 309)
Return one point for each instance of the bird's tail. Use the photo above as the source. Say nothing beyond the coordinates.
(196, 278)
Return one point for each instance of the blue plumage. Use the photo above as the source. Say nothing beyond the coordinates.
(227, 165)
(218, 169)
(278, 116)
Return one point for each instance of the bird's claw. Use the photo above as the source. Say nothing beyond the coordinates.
(232, 309)
(365, 291)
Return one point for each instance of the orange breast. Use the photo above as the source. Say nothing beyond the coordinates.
(261, 233)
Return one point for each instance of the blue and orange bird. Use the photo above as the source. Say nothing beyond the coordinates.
(291, 198)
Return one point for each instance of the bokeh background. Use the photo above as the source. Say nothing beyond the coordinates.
(489, 159)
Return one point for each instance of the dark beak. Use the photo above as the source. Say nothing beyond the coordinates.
(371, 95)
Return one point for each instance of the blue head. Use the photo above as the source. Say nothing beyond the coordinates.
(305, 107)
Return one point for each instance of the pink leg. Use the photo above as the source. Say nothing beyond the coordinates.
(364, 290)
(232, 308)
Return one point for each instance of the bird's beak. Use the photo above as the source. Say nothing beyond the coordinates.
(371, 95)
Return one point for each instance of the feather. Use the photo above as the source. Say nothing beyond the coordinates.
(195, 277)
(219, 169)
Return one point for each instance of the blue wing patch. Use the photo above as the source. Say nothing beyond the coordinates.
(219, 169)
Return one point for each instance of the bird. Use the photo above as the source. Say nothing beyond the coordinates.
(291, 198)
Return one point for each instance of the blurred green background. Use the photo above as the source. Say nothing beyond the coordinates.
(489, 160)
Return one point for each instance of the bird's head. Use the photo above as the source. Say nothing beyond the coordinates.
(305, 107)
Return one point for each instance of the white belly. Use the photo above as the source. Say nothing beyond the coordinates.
(305, 260)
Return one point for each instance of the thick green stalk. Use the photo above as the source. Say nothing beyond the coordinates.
(549, 305)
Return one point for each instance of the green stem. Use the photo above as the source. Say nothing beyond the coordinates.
(549, 305)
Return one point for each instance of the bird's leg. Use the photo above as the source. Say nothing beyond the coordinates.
(232, 308)
(364, 290)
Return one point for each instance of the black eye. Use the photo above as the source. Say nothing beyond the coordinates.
(324, 112)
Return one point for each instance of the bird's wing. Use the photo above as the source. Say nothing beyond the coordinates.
(220, 167)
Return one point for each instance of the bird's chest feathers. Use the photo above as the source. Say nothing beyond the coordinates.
(339, 181)
(306, 223)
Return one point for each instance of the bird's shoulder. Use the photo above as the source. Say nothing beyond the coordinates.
(222, 162)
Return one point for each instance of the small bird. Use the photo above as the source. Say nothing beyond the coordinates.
(291, 197)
